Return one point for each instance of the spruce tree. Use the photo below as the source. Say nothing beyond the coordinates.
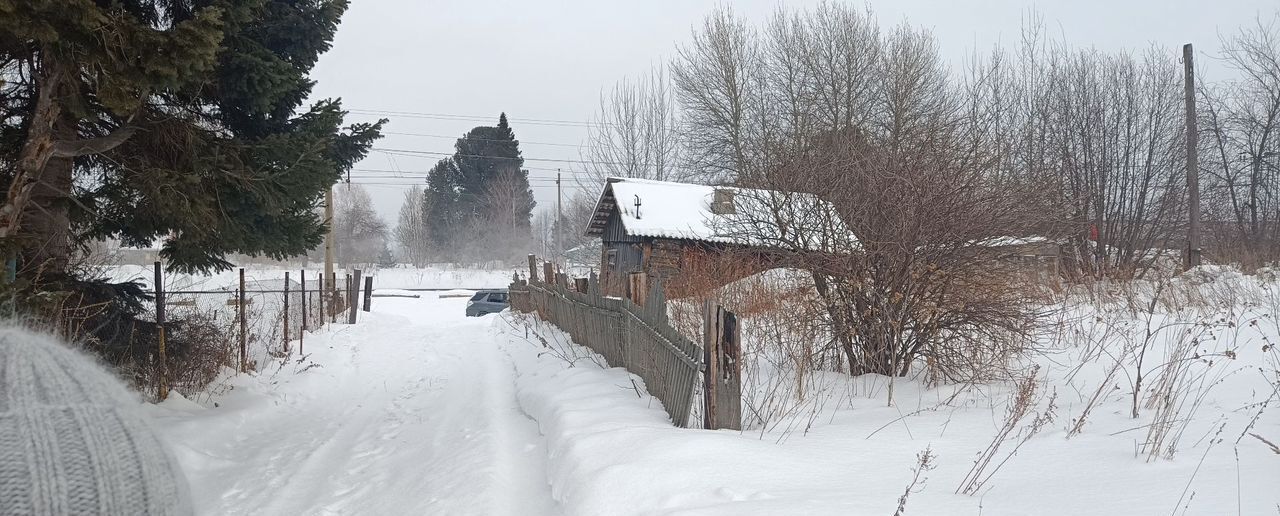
(158, 119)
(183, 125)
(494, 197)
(478, 204)
(483, 154)
(441, 209)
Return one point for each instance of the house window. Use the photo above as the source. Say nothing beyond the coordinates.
(611, 258)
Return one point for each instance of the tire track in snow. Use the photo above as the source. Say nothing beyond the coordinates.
(413, 411)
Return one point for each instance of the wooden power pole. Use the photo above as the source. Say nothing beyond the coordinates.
(559, 222)
(328, 237)
(1193, 162)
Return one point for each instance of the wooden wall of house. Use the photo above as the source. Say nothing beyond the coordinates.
(663, 258)
(615, 232)
(617, 260)
(620, 255)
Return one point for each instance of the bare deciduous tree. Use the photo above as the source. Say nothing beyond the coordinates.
(636, 133)
(502, 229)
(718, 80)
(411, 228)
(360, 235)
(1240, 157)
(825, 104)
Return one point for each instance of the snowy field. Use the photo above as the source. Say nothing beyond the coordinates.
(419, 410)
(264, 309)
(433, 277)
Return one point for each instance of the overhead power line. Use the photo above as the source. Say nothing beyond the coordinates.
(473, 138)
(410, 152)
(582, 173)
(418, 183)
(468, 118)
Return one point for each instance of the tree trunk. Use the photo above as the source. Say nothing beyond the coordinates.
(36, 152)
(47, 214)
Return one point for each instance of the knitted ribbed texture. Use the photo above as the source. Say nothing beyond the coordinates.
(72, 440)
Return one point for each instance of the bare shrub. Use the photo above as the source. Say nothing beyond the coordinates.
(202, 347)
(784, 348)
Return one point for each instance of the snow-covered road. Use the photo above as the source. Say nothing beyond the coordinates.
(411, 411)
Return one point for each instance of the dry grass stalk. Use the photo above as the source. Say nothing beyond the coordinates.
(1024, 402)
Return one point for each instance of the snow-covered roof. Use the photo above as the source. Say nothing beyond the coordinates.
(663, 209)
(1012, 241)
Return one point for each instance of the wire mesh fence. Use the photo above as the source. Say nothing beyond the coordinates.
(263, 318)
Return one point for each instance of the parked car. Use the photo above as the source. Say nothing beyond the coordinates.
(485, 302)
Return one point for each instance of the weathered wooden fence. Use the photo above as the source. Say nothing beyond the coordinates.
(635, 336)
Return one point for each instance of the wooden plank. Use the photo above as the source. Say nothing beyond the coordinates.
(710, 346)
(368, 293)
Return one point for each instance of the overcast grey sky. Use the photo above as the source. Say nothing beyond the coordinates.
(550, 60)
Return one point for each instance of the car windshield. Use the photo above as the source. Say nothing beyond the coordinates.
(479, 296)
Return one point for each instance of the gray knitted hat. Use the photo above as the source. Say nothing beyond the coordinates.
(72, 440)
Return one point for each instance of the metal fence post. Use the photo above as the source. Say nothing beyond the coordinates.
(160, 336)
(302, 330)
(320, 300)
(286, 313)
(244, 331)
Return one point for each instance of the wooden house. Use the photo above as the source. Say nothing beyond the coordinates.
(695, 237)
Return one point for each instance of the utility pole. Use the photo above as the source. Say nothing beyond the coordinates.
(559, 221)
(328, 237)
(1193, 162)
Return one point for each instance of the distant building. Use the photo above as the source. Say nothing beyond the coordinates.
(677, 231)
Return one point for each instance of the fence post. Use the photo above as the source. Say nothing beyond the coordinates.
(320, 299)
(353, 296)
(547, 275)
(722, 389)
(302, 279)
(533, 269)
(160, 320)
(580, 284)
(286, 313)
(333, 301)
(244, 331)
(368, 292)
